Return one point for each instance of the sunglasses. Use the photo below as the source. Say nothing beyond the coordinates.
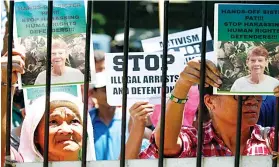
(244, 98)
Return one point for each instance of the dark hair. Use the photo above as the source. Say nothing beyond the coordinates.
(209, 91)
(18, 98)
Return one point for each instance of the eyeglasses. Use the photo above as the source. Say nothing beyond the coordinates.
(244, 98)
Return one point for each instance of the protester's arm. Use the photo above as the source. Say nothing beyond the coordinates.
(139, 112)
(3, 120)
(276, 91)
(147, 133)
(174, 111)
(18, 67)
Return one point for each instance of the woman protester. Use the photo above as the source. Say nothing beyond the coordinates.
(17, 67)
(65, 130)
(220, 131)
(65, 124)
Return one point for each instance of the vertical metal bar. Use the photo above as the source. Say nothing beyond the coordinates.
(164, 83)
(124, 80)
(275, 148)
(9, 79)
(86, 82)
(48, 81)
(202, 81)
(238, 128)
(238, 132)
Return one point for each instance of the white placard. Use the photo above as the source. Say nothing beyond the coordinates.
(187, 42)
(144, 76)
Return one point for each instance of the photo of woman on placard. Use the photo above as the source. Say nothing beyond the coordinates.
(256, 81)
(67, 59)
(247, 67)
(60, 73)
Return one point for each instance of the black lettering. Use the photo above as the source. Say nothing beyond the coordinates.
(157, 79)
(148, 64)
(136, 58)
(151, 79)
(176, 78)
(118, 61)
(189, 40)
(145, 79)
(117, 91)
(195, 38)
(134, 90)
(180, 40)
(170, 59)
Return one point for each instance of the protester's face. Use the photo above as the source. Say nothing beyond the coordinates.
(100, 66)
(257, 64)
(58, 57)
(221, 111)
(101, 96)
(65, 133)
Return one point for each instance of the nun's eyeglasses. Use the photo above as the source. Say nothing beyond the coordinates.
(244, 98)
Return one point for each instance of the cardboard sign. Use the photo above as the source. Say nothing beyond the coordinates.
(68, 41)
(247, 48)
(30, 94)
(144, 76)
(187, 42)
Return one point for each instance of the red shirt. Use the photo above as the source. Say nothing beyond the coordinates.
(212, 144)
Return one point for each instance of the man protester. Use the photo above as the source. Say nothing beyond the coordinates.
(106, 121)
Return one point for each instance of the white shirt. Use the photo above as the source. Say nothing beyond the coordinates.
(70, 75)
(243, 85)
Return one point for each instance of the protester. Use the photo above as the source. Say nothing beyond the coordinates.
(257, 81)
(16, 131)
(267, 112)
(65, 124)
(106, 121)
(190, 108)
(65, 130)
(99, 57)
(17, 67)
(136, 141)
(60, 73)
(18, 105)
(220, 131)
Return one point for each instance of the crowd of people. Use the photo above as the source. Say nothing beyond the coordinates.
(143, 132)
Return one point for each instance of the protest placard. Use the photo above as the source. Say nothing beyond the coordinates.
(68, 41)
(144, 76)
(30, 94)
(247, 48)
(65, 117)
(187, 42)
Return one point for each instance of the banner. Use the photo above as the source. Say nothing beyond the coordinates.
(247, 48)
(144, 76)
(68, 41)
(187, 42)
(30, 94)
